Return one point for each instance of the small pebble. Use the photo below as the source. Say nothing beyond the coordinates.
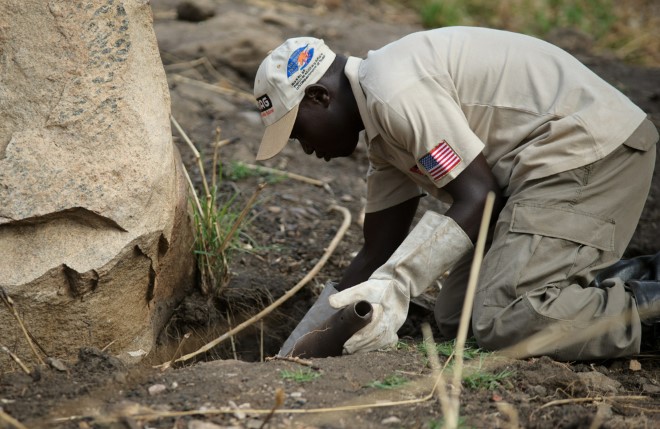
(157, 389)
(651, 388)
(391, 421)
(199, 424)
(540, 390)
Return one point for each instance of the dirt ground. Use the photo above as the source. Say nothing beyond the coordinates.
(234, 384)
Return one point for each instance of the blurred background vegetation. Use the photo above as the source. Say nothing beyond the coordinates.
(627, 29)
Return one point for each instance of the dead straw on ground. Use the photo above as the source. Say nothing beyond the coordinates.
(9, 303)
(12, 422)
(596, 399)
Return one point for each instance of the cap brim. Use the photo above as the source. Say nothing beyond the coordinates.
(277, 135)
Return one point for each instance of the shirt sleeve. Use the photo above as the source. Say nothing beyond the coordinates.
(427, 121)
(387, 186)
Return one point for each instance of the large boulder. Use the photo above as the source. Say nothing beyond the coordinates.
(95, 234)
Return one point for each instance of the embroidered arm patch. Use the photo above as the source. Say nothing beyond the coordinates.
(439, 161)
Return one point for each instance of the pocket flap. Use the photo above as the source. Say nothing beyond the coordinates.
(564, 223)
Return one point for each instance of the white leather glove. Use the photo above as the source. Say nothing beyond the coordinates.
(432, 247)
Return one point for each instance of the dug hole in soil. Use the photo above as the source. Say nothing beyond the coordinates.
(289, 229)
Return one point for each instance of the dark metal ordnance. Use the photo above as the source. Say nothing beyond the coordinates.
(328, 338)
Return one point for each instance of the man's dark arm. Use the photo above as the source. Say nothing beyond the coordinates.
(468, 191)
(385, 230)
(383, 233)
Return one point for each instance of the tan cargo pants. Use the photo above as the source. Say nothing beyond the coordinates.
(553, 235)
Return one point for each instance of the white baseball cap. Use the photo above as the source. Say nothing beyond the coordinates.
(280, 87)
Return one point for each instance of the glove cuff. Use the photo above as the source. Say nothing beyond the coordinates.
(433, 246)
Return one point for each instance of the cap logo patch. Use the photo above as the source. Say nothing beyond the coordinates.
(299, 59)
(265, 105)
(301, 65)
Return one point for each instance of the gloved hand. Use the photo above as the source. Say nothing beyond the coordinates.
(434, 245)
(390, 308)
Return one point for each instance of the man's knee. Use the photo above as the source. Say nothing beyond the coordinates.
(447, 329)
(490, 333)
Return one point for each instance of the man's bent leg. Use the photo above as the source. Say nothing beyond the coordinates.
(550, 240)
(449, 300)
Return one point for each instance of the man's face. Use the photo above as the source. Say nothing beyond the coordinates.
(324, 130)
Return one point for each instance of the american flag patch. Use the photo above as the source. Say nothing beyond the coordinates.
(440, 161)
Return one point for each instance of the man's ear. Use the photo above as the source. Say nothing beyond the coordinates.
(318, 93)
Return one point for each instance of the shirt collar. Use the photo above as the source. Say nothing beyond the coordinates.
(352, 70)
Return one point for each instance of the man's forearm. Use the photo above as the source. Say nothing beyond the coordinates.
(360, 269)
(383, 232)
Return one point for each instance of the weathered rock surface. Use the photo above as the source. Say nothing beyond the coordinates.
(95, 236)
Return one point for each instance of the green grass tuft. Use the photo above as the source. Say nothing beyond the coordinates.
(392, 381)
(621, 27)
(479, 380)
(300, 376)
(447, 348)
(238, 171)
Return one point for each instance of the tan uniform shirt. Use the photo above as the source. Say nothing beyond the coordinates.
(433, 100)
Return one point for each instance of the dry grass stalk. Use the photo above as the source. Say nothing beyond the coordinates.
(12, 422)
(593, 399)
(241, 217)
(198, 158)
(231, 339)
(427, 337)
(216, 151)
(318, 7)
(263, 313)
(243, 95)
(107, 346)
(261, 340)
(180, 346)
(201, 212)
(509, 411)
(451, 417)
(16, 359)
(192, 188)
(204, 61)
(293, 359)
(9, 303)
(294, 176)
(279, 401)
(434, 361)
(217, 144)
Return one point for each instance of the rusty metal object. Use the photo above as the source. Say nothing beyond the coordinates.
(328, 338)
(317, 314)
